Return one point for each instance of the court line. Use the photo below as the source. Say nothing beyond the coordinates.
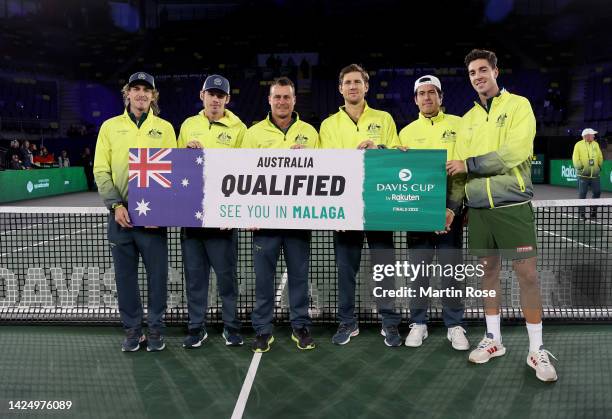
(250, 377)
(573, 241)
(246, 387)
(281, 288)
(29, 226)
(576, 218)
(50, 240)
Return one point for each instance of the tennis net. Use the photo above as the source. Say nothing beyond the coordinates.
(56, 266)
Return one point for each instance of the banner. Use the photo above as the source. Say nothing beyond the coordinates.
(288, 189)
(563, 173)
(537, 168)
(18, 185)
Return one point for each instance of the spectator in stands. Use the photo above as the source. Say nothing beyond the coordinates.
(12, 151)
(15, 164)
(205, 248)
(588, 160)
(43, 152)
(44, 157)
(138, 126)
(87, 162)
(63, 159)
(26, 155)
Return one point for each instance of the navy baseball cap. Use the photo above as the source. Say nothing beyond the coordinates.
(142, 78)
(216, 82)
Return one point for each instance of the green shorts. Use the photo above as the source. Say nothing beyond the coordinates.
(505, 231)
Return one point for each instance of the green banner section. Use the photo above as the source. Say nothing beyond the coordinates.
(16, 185)
(537, 168)
(562, 173)
(606, 176)
(404, 191)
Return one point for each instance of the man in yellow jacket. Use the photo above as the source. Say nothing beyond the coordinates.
(282, 129)
(206, 248)
(494, 148)
(588, 160)
(138, 127)
(357, 126)
(435, 129)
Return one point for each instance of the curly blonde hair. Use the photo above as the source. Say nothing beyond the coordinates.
(154, 103)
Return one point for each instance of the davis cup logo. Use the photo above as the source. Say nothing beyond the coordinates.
(405, 175)
(217, 82)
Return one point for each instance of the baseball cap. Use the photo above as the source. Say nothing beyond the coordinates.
(216, 82)
(588, 131)
(427, 80)
(141, 78)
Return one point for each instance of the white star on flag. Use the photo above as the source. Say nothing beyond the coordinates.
(185, 182)
(143, 207)
(199, 160)
(198, 215)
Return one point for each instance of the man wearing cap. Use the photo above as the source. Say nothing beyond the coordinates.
(203, 248)
(282, 129)
(436, 130)
(494, 148)
(357, 126)
(138, 127)
(588, 160)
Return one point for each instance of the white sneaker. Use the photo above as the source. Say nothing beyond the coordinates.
(418, 333)
(456, 336)
(538, 360)
(487, 348)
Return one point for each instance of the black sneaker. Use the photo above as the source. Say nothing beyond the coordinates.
(262, 342)
(303, 339)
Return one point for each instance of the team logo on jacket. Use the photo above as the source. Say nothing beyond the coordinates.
(301, 139)
(374, 128)
(501, 120)
(224, 138)
(155, 133)
(449, 134)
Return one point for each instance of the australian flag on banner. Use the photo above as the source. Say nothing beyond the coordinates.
(162, 180)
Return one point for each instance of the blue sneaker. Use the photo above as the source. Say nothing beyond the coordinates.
(344, 333)
(132, 341)
(392, 336)
(232, 337)
(195, 338)
(155, 342)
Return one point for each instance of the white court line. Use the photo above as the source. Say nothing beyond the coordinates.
(246, 387)
(573, 216)
(250, 377)
(281, 288)
(48, 241)
(574, 241)
(29, 226)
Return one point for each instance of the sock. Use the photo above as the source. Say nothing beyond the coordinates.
(493, 326)
(535, 336)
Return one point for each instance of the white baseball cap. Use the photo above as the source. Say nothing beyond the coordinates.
(588, 131)
(428, 79)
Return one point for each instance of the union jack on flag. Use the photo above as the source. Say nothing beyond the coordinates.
(143, 166)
